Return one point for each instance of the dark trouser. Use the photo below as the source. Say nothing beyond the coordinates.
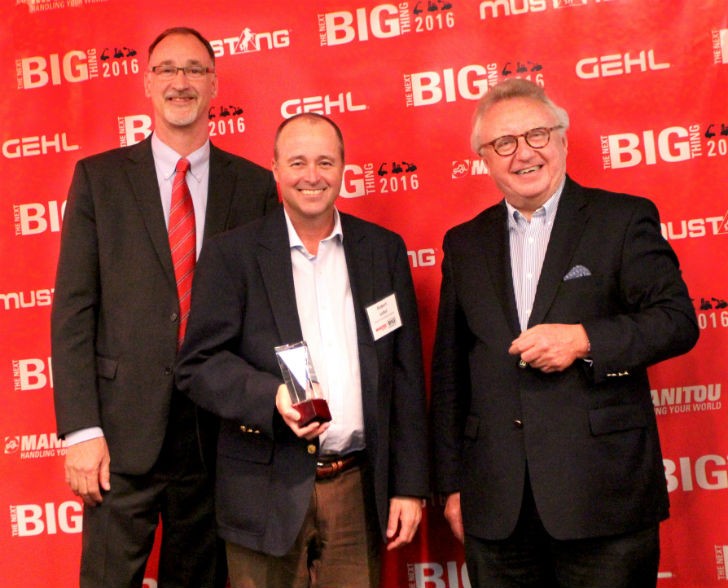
(532, 558)
(118, 534)
(337, 546)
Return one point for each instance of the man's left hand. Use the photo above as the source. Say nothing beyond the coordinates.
(551, 347)
(405, 513)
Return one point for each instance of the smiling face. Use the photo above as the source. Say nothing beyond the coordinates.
(180, 104)
(528, 177)
(309, 168)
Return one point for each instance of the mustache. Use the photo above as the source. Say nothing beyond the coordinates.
(180, 94)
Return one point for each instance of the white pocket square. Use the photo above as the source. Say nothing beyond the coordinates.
(578, 271)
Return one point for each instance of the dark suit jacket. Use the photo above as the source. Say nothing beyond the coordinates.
(243, 305)
(114, 318)
(588, 434)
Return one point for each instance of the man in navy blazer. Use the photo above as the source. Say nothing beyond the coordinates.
(134, 443)
(553, 304)
(308, 505)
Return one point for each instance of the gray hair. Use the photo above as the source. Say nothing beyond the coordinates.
(513, 88)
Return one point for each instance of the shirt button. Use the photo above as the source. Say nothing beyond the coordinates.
(311, 449)
(522, 364)
(168, 371)
(173, 317)
(518, 423)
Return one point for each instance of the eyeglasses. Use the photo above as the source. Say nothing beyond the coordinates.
(193, 72)
(536, 138)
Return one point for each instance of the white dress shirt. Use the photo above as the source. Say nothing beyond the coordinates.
(529, 240)
(326, 312)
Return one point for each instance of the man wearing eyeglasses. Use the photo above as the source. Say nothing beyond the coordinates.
(553, 304)
(134, 224)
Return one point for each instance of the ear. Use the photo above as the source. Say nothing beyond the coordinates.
(148, 83)
(274, 168)
(214, 86)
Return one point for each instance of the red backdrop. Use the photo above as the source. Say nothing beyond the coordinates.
(644, 81)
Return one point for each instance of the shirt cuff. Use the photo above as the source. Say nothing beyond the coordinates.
(83, 435)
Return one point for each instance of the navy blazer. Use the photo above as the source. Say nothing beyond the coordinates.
(115, 311)
(243, 305)
(587, 436)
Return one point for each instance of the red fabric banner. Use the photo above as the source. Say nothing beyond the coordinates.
(645, 85)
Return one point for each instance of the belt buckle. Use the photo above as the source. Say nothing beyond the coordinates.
(330, 469)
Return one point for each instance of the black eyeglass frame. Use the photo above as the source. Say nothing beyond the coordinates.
(515, 138)
(185, 69)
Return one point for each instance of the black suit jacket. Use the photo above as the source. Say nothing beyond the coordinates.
(115, 312)
(243, 305)
(587, 436)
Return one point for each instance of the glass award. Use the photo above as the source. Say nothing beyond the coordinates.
(307, 398)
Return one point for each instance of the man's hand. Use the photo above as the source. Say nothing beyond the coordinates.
(454, 516)
(87, 470)
(291, 416)
(405, 514)
(551, 347)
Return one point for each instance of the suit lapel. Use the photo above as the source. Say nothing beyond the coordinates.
(570, 222)
(221, 186)
(142, 175)
(496, 247)
(360, 264)
(274, 259)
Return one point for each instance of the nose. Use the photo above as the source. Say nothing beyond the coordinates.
(523, 149)
(180, 80)
(312, 173)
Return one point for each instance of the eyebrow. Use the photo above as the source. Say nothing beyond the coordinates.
(188, 62)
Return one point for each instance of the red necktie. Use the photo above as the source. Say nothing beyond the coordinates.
(182, 242)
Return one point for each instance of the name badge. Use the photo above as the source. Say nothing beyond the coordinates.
(384, 316)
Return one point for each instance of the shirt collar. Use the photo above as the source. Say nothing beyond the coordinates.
(295, 240)
(166, 158)
(547, 209)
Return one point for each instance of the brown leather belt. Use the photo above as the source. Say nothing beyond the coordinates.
(330, 466)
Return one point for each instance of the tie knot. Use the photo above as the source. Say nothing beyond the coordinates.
(182, 166)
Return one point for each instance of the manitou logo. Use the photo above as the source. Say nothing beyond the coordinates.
(37, 446)
(682, 399)
(462, 168)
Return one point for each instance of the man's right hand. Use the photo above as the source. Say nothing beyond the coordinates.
(87, 470)
(291, 416)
